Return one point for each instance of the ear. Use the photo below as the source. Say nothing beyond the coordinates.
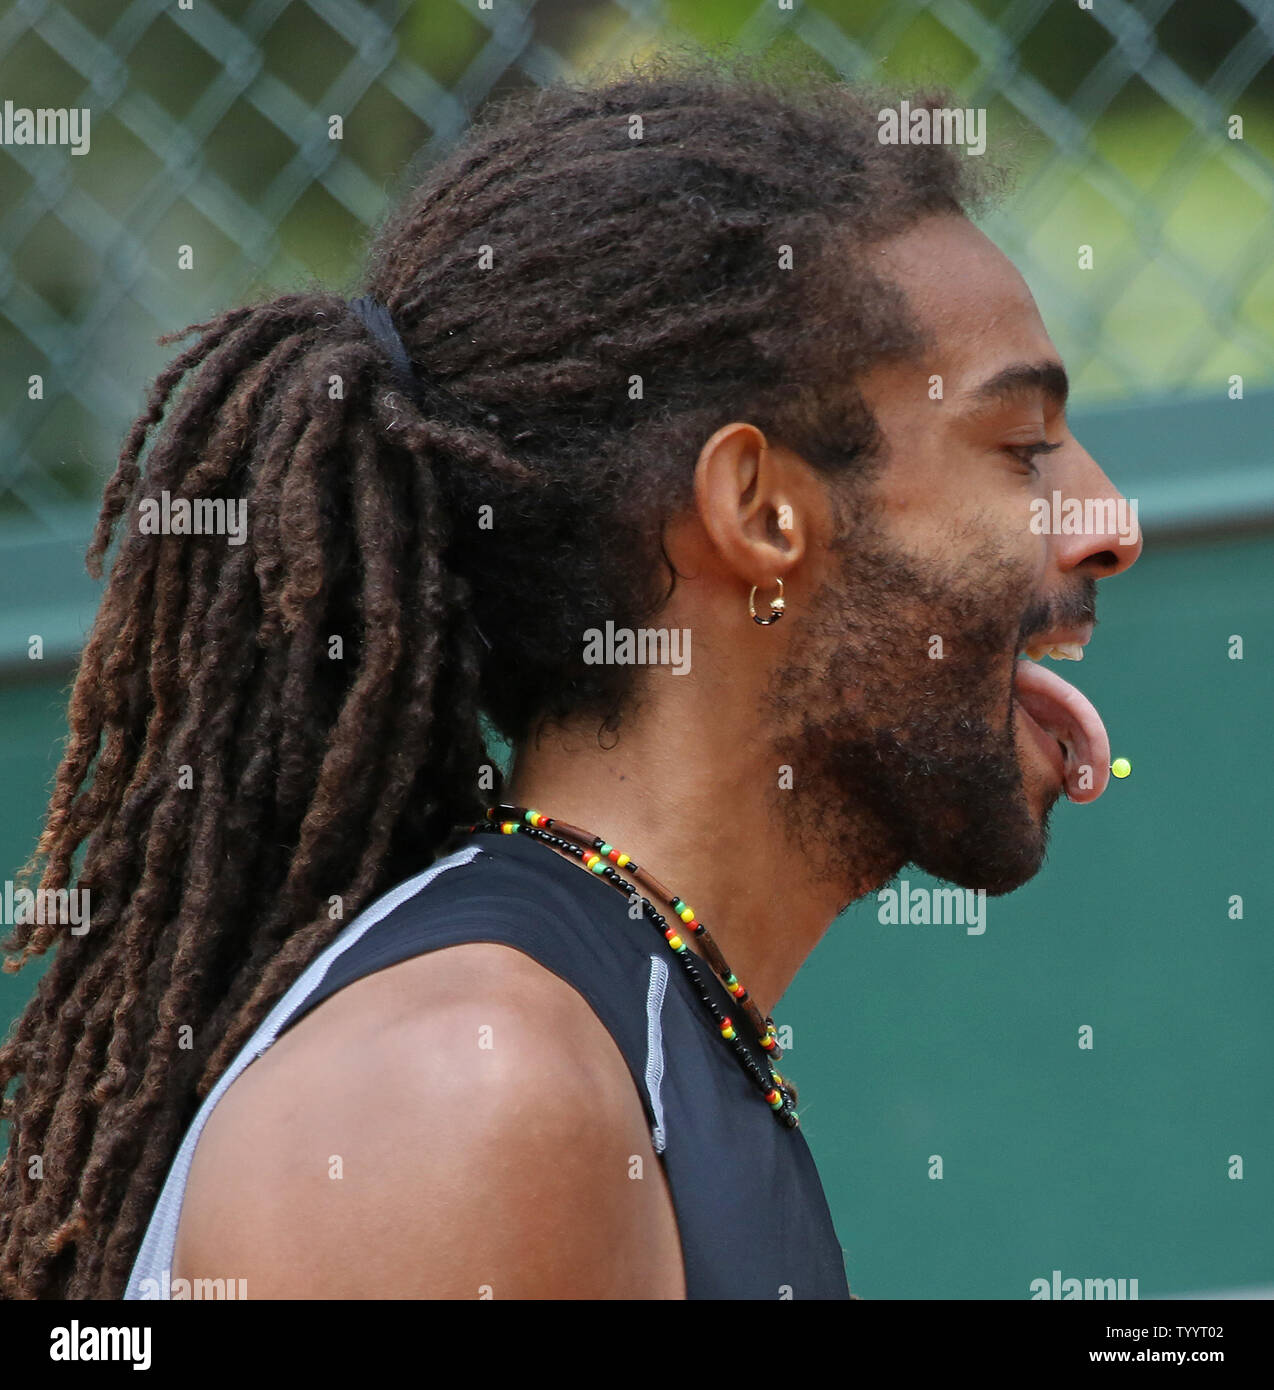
(754, 503)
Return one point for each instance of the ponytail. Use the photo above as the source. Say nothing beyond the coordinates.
(266, 731)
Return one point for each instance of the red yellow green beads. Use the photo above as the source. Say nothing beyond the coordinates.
(603, 858)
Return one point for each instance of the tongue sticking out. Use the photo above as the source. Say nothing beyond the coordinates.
(1060, 710)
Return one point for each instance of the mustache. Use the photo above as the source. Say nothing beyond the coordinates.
(1074, 608)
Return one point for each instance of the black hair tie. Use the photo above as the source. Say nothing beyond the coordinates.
(375, 318)
(378, 323)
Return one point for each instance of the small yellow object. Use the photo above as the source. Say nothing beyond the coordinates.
(1121, 767)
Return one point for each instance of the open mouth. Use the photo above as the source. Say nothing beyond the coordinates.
(1069, 730)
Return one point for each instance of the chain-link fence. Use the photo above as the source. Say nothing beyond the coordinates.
(216, 167)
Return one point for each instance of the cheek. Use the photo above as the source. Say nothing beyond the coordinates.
(974, 539)
(945, 504)
(927, 523)
(998, 528)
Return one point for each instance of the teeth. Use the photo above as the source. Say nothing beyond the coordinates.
(1063, 651)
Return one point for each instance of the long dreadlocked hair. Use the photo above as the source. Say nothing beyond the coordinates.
(595, 280)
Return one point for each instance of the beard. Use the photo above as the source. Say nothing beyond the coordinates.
(899, 756)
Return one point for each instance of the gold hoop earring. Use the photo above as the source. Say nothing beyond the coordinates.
(776, 607)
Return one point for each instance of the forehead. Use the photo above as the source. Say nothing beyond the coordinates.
(969, 299)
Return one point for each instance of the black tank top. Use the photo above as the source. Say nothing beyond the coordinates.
(750, 1208)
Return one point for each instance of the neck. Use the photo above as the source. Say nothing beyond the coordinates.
(679, 796)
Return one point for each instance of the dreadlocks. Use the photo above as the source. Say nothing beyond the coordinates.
(265, 736)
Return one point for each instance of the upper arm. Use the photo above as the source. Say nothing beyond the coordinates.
(483, 1141)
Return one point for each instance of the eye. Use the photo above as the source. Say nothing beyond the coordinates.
(1027, 453)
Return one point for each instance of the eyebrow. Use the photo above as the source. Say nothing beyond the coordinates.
(1047, 379)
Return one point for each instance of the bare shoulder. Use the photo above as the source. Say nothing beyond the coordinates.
(457, 1126)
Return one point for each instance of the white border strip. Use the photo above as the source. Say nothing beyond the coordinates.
(655, 1046)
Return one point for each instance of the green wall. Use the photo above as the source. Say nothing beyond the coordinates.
(32, 727)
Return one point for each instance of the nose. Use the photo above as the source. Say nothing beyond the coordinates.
(1108, 539)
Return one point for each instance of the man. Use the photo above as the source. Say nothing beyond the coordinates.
(543, 1067)
(537, 1200)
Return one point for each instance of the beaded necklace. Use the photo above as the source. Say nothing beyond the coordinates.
(603, 859)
